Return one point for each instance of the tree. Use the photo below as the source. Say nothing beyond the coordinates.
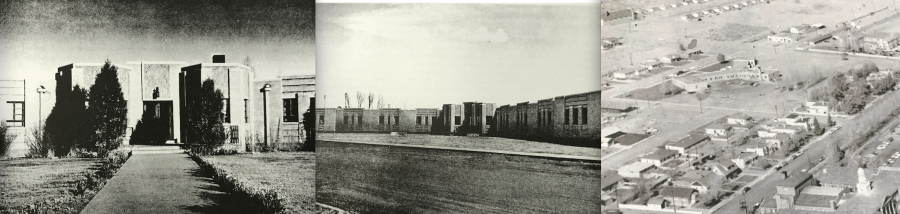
(816, 127)
(693, 44)
(681, 47)
(360, 99)
(106, 106)
(830, 121)
(150, 129)
(67, 126)
(713, 194)
(371, 99)
(720, 57)
(380, 101)
(206, 117)
(700, 97)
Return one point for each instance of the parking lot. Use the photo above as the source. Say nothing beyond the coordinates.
(885, 151)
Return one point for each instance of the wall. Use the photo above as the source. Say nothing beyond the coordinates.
(14, 91)
(529, 128)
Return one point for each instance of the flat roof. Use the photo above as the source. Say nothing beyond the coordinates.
(689, 79)
(690, 140)
(681, 192)
(636, 166)
(814, 200)
(739, 116)
(794, 180)
(660, 154)
(630, 138)
(835, 174)
(609, 179)
(606, 16)
(820, 190)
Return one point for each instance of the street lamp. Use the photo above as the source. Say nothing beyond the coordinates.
(40, 90)
(263, 90)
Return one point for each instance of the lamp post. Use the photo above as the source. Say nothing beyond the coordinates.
(40, 90)
(266, 88)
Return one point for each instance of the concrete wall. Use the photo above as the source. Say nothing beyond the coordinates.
(13, 91)
(522, 120)
(395, 120)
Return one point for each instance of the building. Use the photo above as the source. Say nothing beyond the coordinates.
(819, 39)
(572, 118)
(890, 204)
(636, 169)
(12, 97)
(738, 119)
(817, 107)
(745, 159)
(680, 196)
(801, 29)
(385, 120)
(875, 76)
(822, 199)
(686, 143)
(165, 90)
(610, 42)
(659, 156)
(610, 181)
(838, 177)
(708, 181)
(718, 131)
(609, 133)
(788, 190)
(879, 41)
(624, 15)
(625, 74)
(726, 168)
(690, 83)
(767, 206)
(616, 107)
(783, 38)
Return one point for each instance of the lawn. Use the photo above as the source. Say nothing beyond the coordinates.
(653, 93)
(25, 182)
(291, 174)
(486, 143)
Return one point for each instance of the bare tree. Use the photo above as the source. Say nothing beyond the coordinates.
(360, 99)
(380, 101)
(371, 99)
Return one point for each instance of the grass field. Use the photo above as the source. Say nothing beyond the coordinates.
(656, 92)
(487, 143)
(38, 182)
(291, 174)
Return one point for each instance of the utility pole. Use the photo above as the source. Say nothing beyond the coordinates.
(776, 111)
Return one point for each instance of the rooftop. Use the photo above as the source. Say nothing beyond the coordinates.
(609, 179)
(606, 16)
(815, 200)
(660, 154)
(690, 140)
(792, 116)
(630, 138)
(680, 192)
(636, 166)
(689, 79)
(794, 179)
(820, 190)
(716, 126)
(835, 174)
(767, 202)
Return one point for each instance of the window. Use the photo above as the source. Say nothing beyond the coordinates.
(156, 110)
(246, 111)
(226, 110)
(346, 119)
(525, 118)
(426, 121)
(321, 119)
(566, 118)
(359, 119)
(396, 120)
(418, 120)
(575, 115)
(290, 110)
(457, 121)
(549, 119)
(381, 120)
(389, 120)
(489, 120)
(584, 115)
(540, 115)
(18, 119)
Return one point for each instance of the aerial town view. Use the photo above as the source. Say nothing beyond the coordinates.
(750, 106)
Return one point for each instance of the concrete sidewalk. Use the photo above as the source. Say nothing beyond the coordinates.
(159, 183)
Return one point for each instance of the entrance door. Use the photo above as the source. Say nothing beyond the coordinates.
(162, 111)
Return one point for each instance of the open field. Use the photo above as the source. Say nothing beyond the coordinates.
(291, 174)
(656, 92)
(25, 182)
(391, 179)
(487, 143)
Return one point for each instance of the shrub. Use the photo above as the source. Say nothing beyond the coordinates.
(309, 126)
(38, 146)
(108, 168)
(205, 116)
(66, 126)
(150, 130)
(6, 138)
(256, 200)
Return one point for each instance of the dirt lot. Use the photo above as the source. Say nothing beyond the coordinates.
(657, 92)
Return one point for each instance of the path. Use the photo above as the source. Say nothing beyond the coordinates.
(159, 183)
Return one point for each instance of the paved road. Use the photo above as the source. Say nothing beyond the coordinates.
(160, 183)
(391, 179)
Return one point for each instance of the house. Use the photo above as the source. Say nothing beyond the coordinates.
(779, 127)
(616, 16)
(803, 122)
(610, 181)
(767, 206)
(673, 57)
(625, 74)
(686, 143)
(690, 83)
(821, 199)
(875, 76)
(745, 159)
(726, 168)
(706, 182)
(657, 202)
(801, 29)
(788, 190)
(779, 139)
(738, 119)
(718, 130)
(758, 146)
(616, 107)
(680, 196)
(817, 107)
(609, 133)
(659, 156)
(838, 177)
(783, 38)
(635, 170)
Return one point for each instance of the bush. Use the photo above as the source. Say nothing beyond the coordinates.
(309, 126)
(256, 200)
(6, 138)
(38, 146)
(106, 106)
(94, 181)
(66, 126)
(204, 113)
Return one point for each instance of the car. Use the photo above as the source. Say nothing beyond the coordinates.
(880, 147)
(684, 3)
(754, 84)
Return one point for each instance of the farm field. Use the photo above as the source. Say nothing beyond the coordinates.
(24, 182)
(291, 174)
(486, 143)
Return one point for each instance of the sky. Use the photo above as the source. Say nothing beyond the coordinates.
(41, 35)
(426, 55)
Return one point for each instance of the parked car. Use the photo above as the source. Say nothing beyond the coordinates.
(754, 84)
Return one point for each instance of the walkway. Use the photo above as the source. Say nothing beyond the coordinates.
(159, 183)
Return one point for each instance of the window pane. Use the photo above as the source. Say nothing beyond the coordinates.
(396, 120)
(575, 116)
(458, 120)
(566, 117)
(418, 120)
(584, 115)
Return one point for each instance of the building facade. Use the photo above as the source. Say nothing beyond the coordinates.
(12, 97)
(165, 89)
(575, 116)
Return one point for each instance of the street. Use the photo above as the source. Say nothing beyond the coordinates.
(390, 179)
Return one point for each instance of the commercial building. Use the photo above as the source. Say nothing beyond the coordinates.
(570, 117)
(635, 170)
(788, 190)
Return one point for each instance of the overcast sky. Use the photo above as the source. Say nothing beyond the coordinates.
(426, 55)
(40, 36)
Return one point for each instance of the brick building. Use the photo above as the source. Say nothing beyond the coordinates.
(575, 116)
